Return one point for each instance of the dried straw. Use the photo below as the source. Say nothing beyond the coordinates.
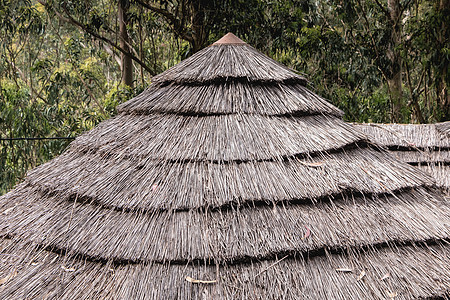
(230, 97)
(226, 235)
(426, 146)
(444, 129)
(440, 172)
(422, 274)
(234, 137)
(226, 179)
(155, 185)
(412, 136)
(219, 63)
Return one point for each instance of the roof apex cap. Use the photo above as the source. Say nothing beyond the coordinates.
(228, 39)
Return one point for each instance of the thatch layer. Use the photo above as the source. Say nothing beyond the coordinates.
(444, 129)
(426, 156)
(230, 97)
(426, 146)
(369, 274)
(154, 185)
(222, 62)
(225, 235)
(440, 172)
(214, 138)
(406, 135)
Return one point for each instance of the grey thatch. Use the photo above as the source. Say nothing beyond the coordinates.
(226, 179)
(444, 129)
(426, 146)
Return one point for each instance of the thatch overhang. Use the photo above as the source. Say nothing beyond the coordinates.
(426, 146)
(227, 178)
(408, 136)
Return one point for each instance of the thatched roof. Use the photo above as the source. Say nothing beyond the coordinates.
(426, 146)
(444, 129)
(409, 136)
(226, 178)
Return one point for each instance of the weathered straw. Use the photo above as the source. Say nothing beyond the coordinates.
(444, 129)
(425, 156)
(226, 179)
(234, 137)
(370, 274)
(230, 97)
(226, 235)
(440, 172)
(156, 185)
(426, 146)
(221, 62)
(406, 135)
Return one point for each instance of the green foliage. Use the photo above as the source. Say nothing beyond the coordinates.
(18, 118)
(117, 95)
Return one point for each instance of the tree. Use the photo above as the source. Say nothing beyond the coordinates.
(394, 72)
(400, 46)
(126, 60)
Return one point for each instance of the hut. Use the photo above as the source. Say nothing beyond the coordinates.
(226, 179)
(426, 146)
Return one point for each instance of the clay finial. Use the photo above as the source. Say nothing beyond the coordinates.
(229, 38)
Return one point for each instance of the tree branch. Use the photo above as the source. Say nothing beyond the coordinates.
(71, 20)
(374, 45)
(404, 7)
(24, 78)
(177, 26)
(385, 11)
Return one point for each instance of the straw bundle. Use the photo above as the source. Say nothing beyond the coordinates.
(226, 179)
(440, 172)
(328, 276)
(236, 137)
(411, 136)
(426, 146)
(444, 129)
(230, 97)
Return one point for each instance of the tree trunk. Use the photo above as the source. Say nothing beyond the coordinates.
(394, 76)
(199, 30)
(127, 63)
(396, 96)
(443, 94)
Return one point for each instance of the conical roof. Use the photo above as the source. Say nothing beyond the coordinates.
(226, 178)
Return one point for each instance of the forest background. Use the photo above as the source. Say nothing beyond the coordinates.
(65, 65)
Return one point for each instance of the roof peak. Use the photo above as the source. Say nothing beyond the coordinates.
(228, 39)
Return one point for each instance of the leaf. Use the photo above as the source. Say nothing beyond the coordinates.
(345, 270)
(392, 295)
(67, 269)
(316, 164)
(307, 234)
(386, 276)
(192, 280)
(361, 275)
(6, 211)
(4, 279)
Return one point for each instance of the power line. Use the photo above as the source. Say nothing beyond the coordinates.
(36, 138)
